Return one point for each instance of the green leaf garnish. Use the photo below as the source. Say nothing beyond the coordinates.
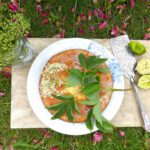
(91, 88)
(103, 70)
(82, 60)
(89, 121)
(88, 80)
(97, 113)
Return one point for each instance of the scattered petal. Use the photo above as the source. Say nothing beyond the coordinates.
(132, 3)
(13, 7)
(73, 10)
(97, 137)
(54, 148)
(148, 29)
(1, 147)
(89, 15)
(102, 25)
(95, 2)
(62, 34)
(83, 16)
(35, 141)
(6, 72)
(121, 7)
(122, 133)
(44, 14)
(81, 30)
(57, 36)
(92, 28)
(45, 21)
(45, 133)
(95, 13)
(146, 36)
(123, 32)
(38, 8)
(64, 17)
(2, 94)
(115, 31)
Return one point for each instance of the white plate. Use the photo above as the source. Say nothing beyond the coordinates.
(34, 76)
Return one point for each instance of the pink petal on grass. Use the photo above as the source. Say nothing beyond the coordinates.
(132, 3)
(92, 28)
(83, 16)
(122, 133)
(115, 31)
(2, 94)
(97, 137)
(45, 21)
(146, 36)
(62, 34)
(89, 15)
(13, 7)
(102, 25)
(6, 72)
(1, 147)
(44, 14)
(54, 148)
(35, 141)
(81, 30)
(73, 10)
(38, 8)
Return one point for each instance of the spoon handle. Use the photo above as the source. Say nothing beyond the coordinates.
(144, 115)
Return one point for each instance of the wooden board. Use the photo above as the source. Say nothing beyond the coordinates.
(22, 115)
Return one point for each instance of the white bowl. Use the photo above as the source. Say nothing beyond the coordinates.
(34, 76)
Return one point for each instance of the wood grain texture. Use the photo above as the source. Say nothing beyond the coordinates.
(22, 115)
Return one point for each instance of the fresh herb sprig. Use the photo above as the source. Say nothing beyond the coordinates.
(89, 82)
(67, 104)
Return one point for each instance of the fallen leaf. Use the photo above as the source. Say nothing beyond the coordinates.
(132, 3)
(102, 25)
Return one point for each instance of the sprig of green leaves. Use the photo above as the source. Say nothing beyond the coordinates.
(67, 104)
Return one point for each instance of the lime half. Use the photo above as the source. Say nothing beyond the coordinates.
(144, 82)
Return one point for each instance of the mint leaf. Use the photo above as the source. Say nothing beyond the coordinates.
(91, 88)
(90, 59)
(89, 121)
(94, 95)
(59, 113)
(89, 80)
(75, 106)
(82, 60)
(89, 102)
(76, 72)
(106, 126)
(56, 107)
(103, 70)
(73, 80)
(97, 113)
(92, 72)
(64, 97)
(69, 113)
(96, 62)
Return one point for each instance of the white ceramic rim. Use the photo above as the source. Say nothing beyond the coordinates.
(33, 87)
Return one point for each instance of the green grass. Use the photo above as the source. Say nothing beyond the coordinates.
(22, 139)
